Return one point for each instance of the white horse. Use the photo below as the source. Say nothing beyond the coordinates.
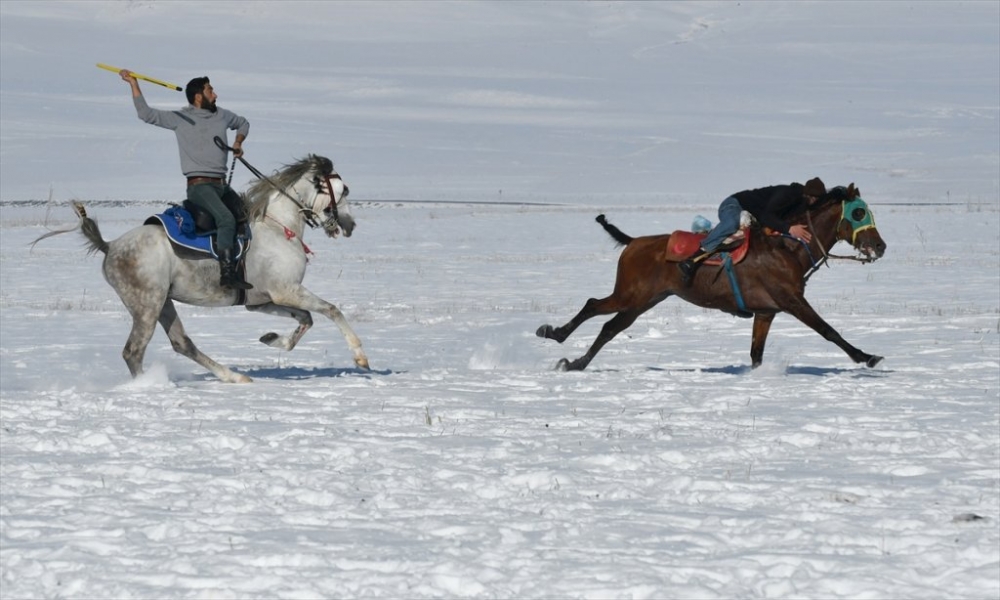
(149, 272)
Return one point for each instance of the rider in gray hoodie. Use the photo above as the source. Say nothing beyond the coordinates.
(202, 161)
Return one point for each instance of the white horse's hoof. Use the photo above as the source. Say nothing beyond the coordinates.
(276, 341)
(236, 378)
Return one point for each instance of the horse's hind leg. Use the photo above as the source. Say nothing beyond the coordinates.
(616, 325)
(182, 344)
(285, 342)
(591, 309)
(143, 325)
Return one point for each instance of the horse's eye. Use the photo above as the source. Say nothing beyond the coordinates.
(858, 214)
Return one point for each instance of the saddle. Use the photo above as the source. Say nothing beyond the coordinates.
(191, 228)
(683, 244)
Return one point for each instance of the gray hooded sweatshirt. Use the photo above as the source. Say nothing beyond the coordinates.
(195, 129)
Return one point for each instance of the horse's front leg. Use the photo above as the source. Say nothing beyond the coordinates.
(285, 342)
(761, 327)
(801, 310)
(298, 297)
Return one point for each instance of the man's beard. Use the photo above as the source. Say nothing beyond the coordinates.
(209, 106)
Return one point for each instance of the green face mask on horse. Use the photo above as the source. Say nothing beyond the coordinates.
(856, 213)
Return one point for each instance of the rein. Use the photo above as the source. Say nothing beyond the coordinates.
(308, 214)
(815, 264)
(334, 213)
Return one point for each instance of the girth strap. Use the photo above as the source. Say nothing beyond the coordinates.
(727, 263)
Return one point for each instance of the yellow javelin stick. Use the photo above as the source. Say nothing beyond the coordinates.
(143, 77)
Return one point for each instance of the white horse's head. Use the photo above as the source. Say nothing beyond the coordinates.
(316, 190)
(331, 199)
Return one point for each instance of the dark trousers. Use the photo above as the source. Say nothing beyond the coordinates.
(213, 198)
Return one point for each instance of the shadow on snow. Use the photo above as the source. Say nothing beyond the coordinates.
(858, 372)
(298, 373)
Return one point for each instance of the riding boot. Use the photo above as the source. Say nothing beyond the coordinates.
(689, 265)
(230, 276)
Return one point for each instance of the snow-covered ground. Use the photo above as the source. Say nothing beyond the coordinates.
(463, 465)
(480, 140)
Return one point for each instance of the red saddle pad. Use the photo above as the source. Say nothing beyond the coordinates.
(683, 244)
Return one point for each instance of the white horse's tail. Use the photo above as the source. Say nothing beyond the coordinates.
(95, 243)
(90, 230)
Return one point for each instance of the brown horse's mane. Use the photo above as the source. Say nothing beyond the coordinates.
(837, 194)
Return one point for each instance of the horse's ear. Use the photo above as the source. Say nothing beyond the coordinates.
(852, 192)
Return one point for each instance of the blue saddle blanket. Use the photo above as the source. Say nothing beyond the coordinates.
(179, 227)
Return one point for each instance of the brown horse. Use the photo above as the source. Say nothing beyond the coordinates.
(770, 279)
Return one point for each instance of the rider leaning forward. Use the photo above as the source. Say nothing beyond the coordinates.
(202, 162)
(771, 206)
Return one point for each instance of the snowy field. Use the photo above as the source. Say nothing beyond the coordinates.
(480, 140)
(463, 465)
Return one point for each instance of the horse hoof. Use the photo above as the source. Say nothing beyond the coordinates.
(362, 363)
(544, 332)
(238, 378)
(575, 365)
(268, 338)
(874, 360)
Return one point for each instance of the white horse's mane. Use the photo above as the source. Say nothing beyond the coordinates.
(259, 193)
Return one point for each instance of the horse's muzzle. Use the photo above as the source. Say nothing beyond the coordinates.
(344, 224)
(871, 244)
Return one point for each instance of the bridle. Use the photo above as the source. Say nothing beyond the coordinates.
(866, 223)
(332, 222)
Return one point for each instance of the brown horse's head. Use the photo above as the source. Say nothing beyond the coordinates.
(857, 225)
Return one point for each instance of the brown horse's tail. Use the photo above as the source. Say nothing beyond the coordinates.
(95, 242)
(614, 232)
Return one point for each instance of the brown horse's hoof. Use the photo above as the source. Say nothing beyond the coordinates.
(874, 360)
(551, 333)
(579, 364)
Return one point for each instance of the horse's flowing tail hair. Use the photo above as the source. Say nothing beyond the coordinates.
(619, 236)
(95, 242)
